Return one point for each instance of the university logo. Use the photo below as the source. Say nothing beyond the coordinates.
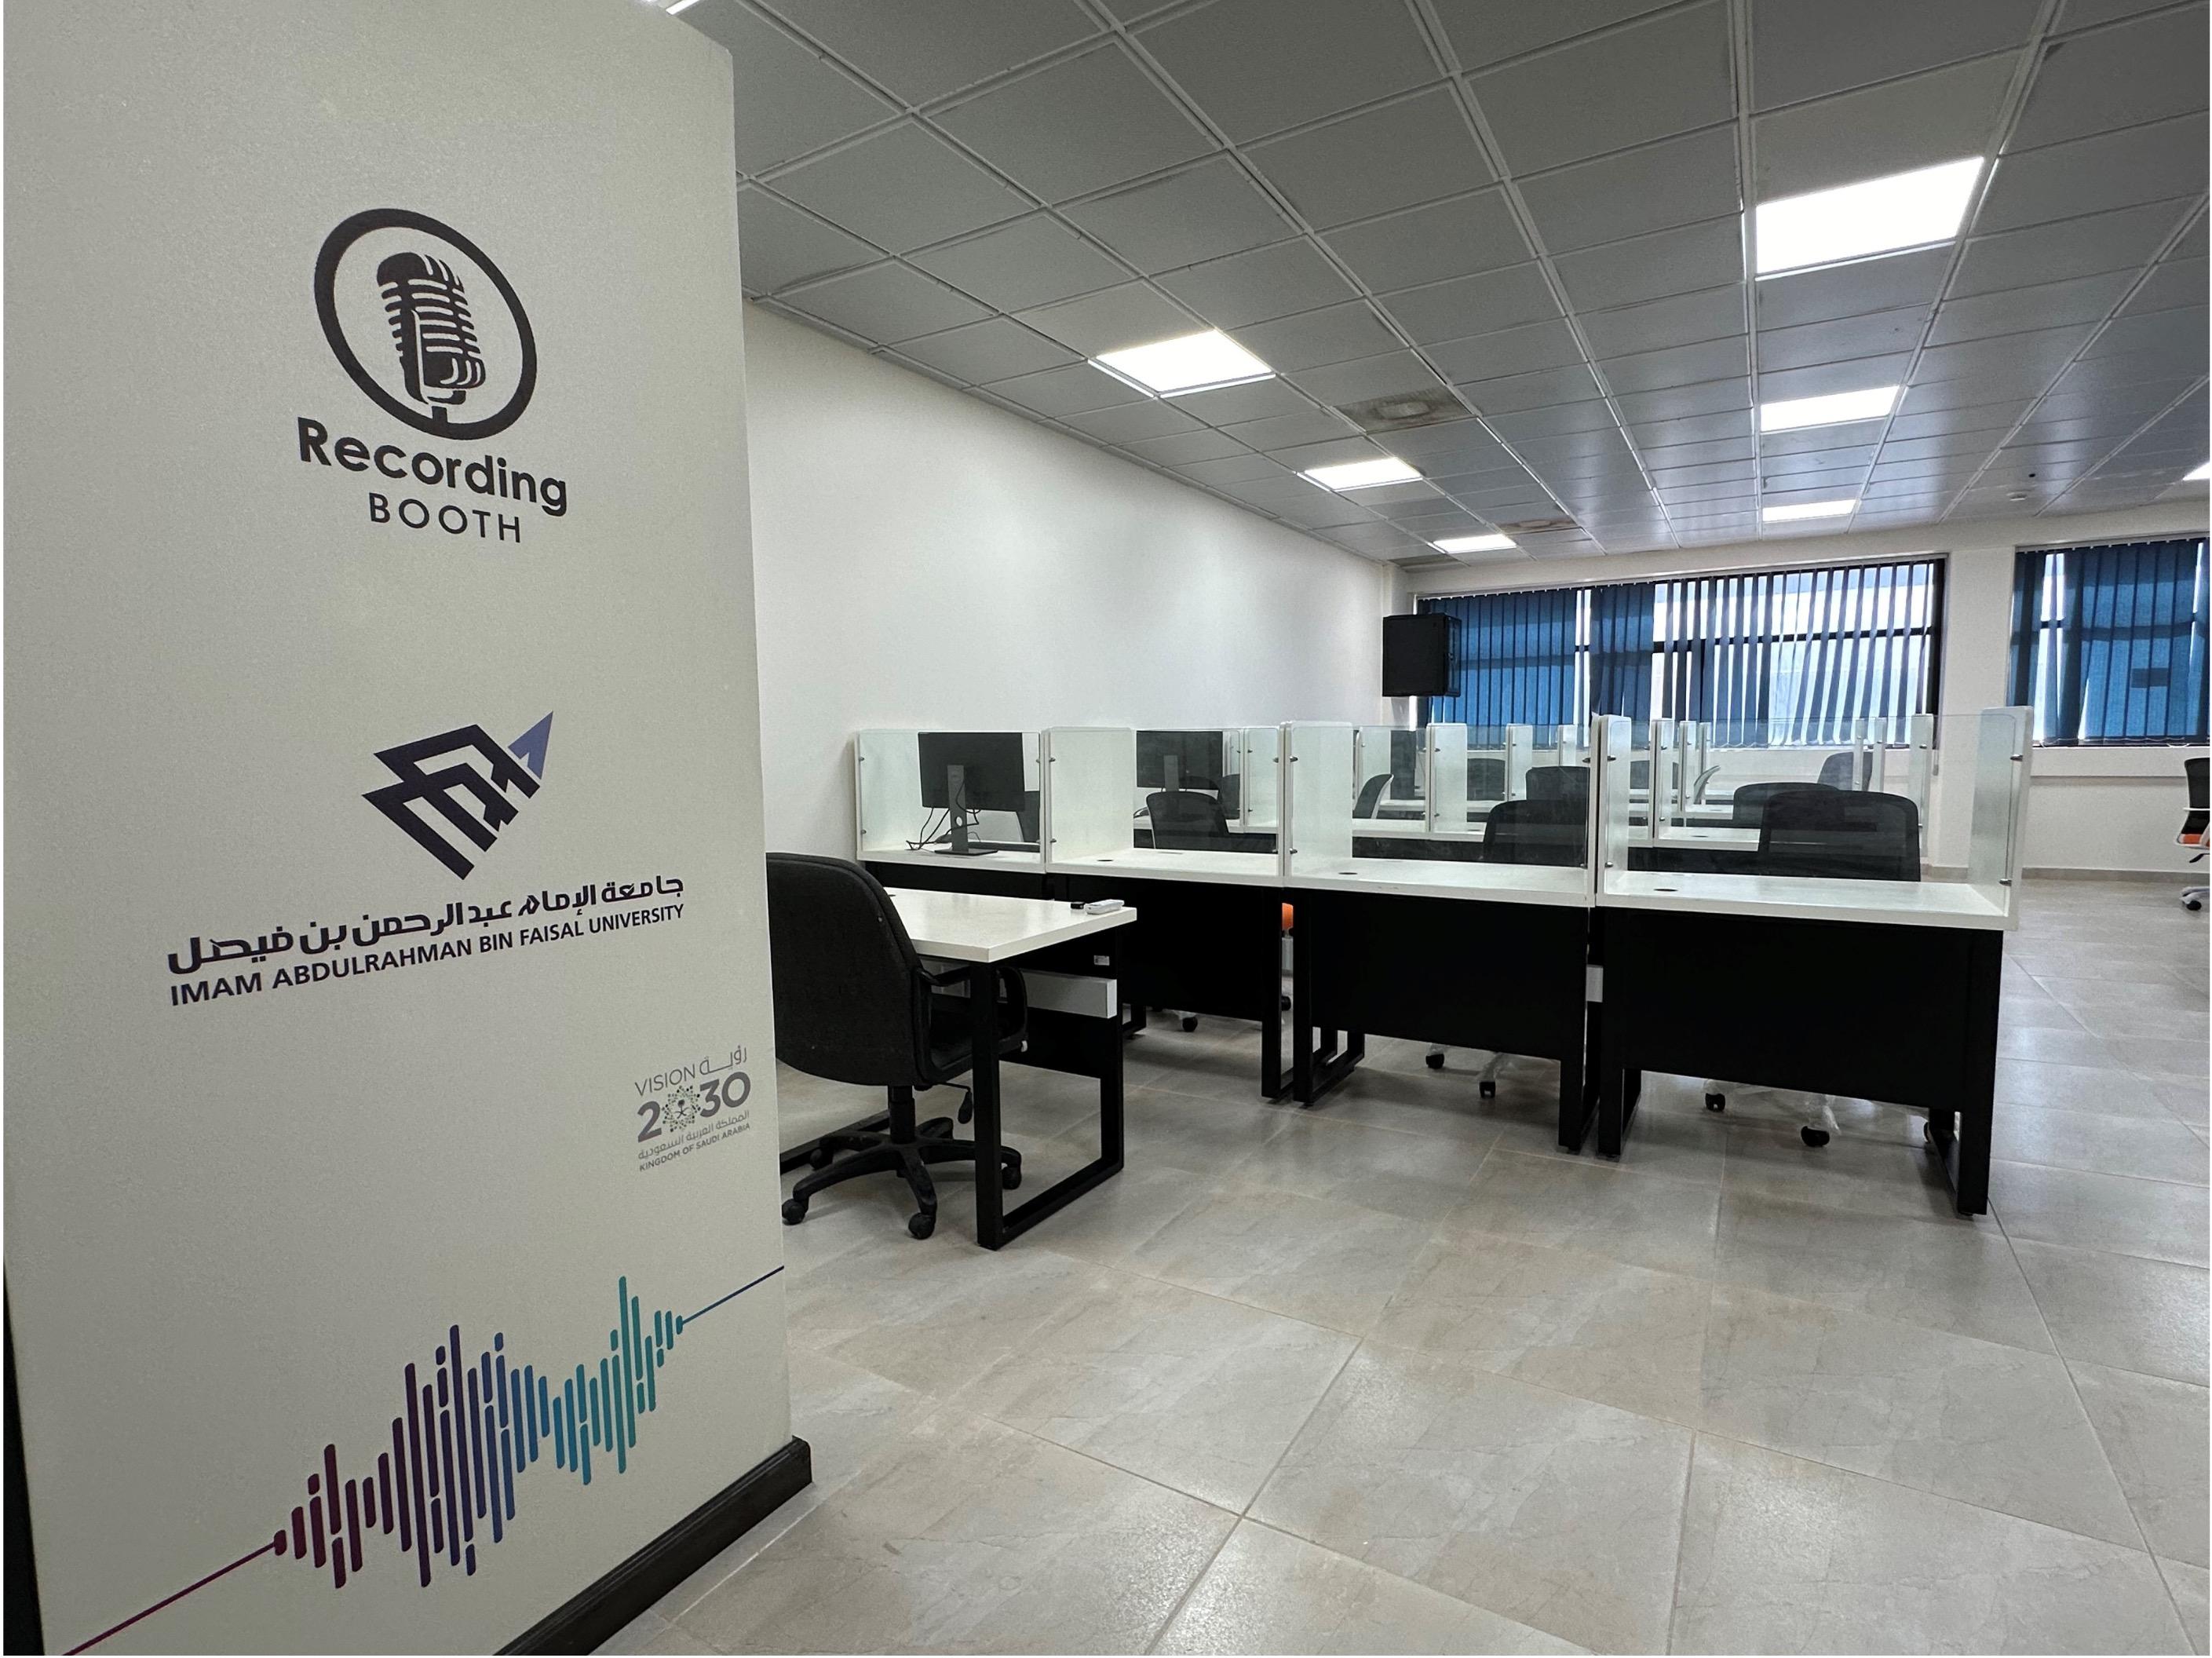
(461, 784)
(425, 324)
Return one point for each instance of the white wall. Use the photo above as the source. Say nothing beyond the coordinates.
(923, 559)
(2087, 809)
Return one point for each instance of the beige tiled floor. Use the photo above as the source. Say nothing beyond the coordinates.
(1394, 1376)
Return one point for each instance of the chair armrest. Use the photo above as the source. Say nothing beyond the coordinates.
(1003, 974)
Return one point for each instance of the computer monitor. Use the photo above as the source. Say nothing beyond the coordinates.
(963, 773)
(1197, 757)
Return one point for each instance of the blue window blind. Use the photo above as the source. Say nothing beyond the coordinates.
(1784, 657)
(2109, 642)
(1795, 656)
(1513, 659)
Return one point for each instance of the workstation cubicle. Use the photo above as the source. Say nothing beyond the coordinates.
(1835, 920)
(959, 811)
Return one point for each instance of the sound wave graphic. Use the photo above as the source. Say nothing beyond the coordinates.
(447, 1481)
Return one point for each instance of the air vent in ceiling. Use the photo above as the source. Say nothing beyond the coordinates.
(1430, 561)
(1537, 526)
(1402, 411)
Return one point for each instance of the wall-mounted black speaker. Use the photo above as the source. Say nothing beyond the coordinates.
(1417, 655)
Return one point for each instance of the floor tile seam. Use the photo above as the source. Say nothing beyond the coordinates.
(1321, 1399)
(2172, 1599)
(1681, 1539)
(1997, 1215)
(1589, 1157)
(2110, 1174)
(1939, 1496)
(1250, 1306)
(2126, 1501)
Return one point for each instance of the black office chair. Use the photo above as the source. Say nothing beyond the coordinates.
(2192, 826)
(1843, 834)
(1836, 772)
(1370, 791)
(1185, 821)
(854, 1004)
(1535, 832)
(1747, 805)
(1485, 779)
(1568, 783)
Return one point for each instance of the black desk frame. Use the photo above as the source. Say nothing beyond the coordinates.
(1697, 993)
(1489, 974)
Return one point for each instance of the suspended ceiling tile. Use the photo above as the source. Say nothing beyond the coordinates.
(909, 50)
(1286, 431)
(1207, 211)
(1805, 48)
(2123, 239)
(1651, 267)
(1257, 286)
(1481, 303)
(1821, 379)
(1246, 468)
(2151, 163)
(1507, 351)
(997, 348)
(1015, 267)
(1942, 115)
(1711, 314)
(2017, 310)
(2173, 282)
(1335, 333)
(2138, 71)
(1606, 91)
(1182, 448)
(886, 303)
(1078, 126)
(1060, 392)
(1537, 390)
(1484, 31)
(1677, 182)
(901, 188)
(1150, 418)
(788, 100)
(1679, 365)
(1428, 244)
(778, 245)
(1364, 380)
(1258, 66)
(1413, 150)
(1111, 319)
(1862, 288)
(1679, 402)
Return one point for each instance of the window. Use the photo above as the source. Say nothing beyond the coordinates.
(2108, 643)
(1771, 657)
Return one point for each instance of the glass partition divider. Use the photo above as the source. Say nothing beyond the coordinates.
(1445, 762)
(1317, 808)
(1090, 773)
(2001, 776)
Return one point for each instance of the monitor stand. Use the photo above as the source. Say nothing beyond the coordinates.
(1170, 773)
(955, 796)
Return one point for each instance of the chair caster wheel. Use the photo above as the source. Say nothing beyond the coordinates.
(1436, 1061)
(921, 1225)
(1285, 1003)
(1190, 1021)
(2192, 903)
(794, 1211)
(1487, 1090)
(1815, 1136)
(1716, 1101)
(1010, 1177)
(967, 1113)
(820, 1157)
(1928, 1132)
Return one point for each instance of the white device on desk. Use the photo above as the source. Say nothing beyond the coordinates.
(1099, 905)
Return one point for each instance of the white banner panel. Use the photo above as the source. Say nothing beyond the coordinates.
(392, 1224)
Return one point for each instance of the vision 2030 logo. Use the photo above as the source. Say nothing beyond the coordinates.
(459, 783)
(432, 333)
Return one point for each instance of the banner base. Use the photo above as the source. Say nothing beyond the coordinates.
(602, 1610)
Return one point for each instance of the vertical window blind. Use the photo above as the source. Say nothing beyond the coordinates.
(1780, 657)
(2109, 642)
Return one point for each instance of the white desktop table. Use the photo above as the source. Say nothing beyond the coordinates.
(981, 932)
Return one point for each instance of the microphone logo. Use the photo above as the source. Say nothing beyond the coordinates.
(391, 279)
(429, 310)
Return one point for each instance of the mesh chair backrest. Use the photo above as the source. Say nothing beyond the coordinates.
(1184, 820)
(1370, 792)
(1836, 772)
(850, 1001)
(1534, 832)
(1747, 805)
(1843, 834)
(2195, 770)
(1569, 783)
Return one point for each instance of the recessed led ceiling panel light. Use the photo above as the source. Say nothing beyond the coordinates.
(1362, 474)
(1189, 362)
(1790, 413)
(1875, 215)
(2199, 475)
(1799, 509)
(1492, 544)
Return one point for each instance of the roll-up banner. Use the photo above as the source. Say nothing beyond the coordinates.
(392, 1236)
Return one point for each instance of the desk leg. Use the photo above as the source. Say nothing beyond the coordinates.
(1964, 1147)
(983, 1084)
(1612, 1078)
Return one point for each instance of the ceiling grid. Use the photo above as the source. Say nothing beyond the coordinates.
(1525, 228)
